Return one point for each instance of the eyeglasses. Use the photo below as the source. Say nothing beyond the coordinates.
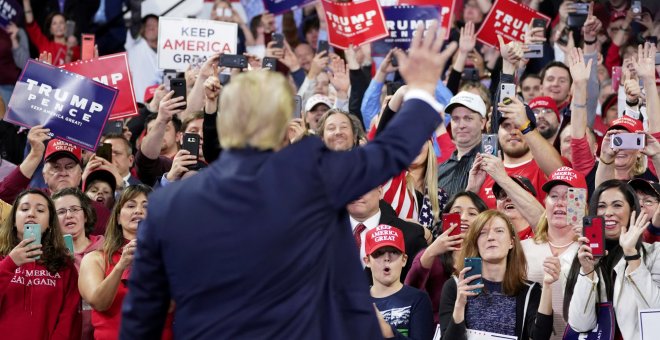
(74, 209)
(539, 112)
(648, 202)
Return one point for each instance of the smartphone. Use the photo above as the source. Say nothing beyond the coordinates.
(507, 90)
(68, 242)
(393, 61)
(489, 144)
(576, 201)
(223, 12)
(579, 16)
(657, 58)
(470, 74)
(651, 40)
(393, 86)
(191, 143)
(233, 61)
(628, 141)
(269, 63)
(593, 229)
(168, 75)
(324, 46)
(475, 268)
(563, 38)
(450, 220)
(70, 27)
(113, 127)
(636, 8)
(224, 79)
(616, 78)
(297, 110)
(178, 85)
(32, 230)
(104, 151)
(539, 22)
(535, 51)
(87, 46)
(278, 38)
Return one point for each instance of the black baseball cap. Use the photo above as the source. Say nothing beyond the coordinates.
(521, 180)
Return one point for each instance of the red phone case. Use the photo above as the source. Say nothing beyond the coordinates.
(617, 71)
(451, 219)
(87, 46)
(593, 229)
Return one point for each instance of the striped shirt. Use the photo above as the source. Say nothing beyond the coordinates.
(453, 173)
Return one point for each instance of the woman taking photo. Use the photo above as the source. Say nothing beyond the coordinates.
(38, 282)
(77, 218)
(507, 303)
(434, 265)
(64, 48)
(104, 272)
(555, 237)
(626, 276)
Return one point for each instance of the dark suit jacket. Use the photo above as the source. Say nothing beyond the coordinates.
(259, 245)
(413, 234)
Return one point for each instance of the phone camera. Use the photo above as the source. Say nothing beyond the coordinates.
(618, 141)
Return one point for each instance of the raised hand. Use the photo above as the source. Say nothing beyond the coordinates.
(580, 71)
(468, 38)
(586, 257)
(631, 85)
(212, 86)
(652, 148)
(127, 254)
(551, 269)
(180, 164)
(515, 111)
(630, 235)
(420, 68)
(645, 63)
(319, 62)
(339, 77)
(169, 107)
(36, 137)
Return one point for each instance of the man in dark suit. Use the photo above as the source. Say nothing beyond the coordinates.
(369, 211)
(258, 246)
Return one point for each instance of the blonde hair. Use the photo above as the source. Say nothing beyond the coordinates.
(255, 109)
(430, 181)
(516, 265)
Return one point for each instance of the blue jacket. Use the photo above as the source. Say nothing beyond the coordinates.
(259, 245)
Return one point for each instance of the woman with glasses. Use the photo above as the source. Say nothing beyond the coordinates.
(39, 296)
(104, 273)
(77, 218)
(648, 194)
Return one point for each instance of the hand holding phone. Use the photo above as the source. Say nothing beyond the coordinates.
(593, 230)
(475, 269)
(233, 61)
(324, 46)
(178, 85)
(278, 38)
(68, 242)
(489, 143)
(33, 231)
(104, 151)
(507, 91)
(191, 143)
(451, 220)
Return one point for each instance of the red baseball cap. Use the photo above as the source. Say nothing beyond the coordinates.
(627, 123)
(545, 103)
(384, 236)
(566, 176)
(149, 93)
(57, 148)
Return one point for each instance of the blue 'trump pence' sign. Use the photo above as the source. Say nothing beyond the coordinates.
(73, 107)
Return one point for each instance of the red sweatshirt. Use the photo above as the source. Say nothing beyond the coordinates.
(44, 45)
(35, 304)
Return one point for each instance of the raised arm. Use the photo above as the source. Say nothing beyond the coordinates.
(95, 287)
(645, 66)
(167, 108)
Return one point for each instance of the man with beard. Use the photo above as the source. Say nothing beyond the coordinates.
(547, 117)
(525, 151)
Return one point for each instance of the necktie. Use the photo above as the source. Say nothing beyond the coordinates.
(358, 231)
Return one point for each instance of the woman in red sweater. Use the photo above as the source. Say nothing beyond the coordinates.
(39, 297)
(104, 273)
(64, 48)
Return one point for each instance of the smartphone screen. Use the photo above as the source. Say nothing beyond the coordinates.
(576, 205)
(178, 85)
(87, 46)
(278, 38)
(450, 220)
(34, 231)
(105, 151)
(324, 46)
(593, 229)
(489, 144)
(70, 27)
(475, 264)
(539, 22)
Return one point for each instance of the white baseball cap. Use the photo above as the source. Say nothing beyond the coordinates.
(469, 100)
(317, 99)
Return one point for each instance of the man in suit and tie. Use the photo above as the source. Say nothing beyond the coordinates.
(366, 213)
(258, 246)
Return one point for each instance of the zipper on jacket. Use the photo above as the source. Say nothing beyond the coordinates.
(629, 276)
(593, 288)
